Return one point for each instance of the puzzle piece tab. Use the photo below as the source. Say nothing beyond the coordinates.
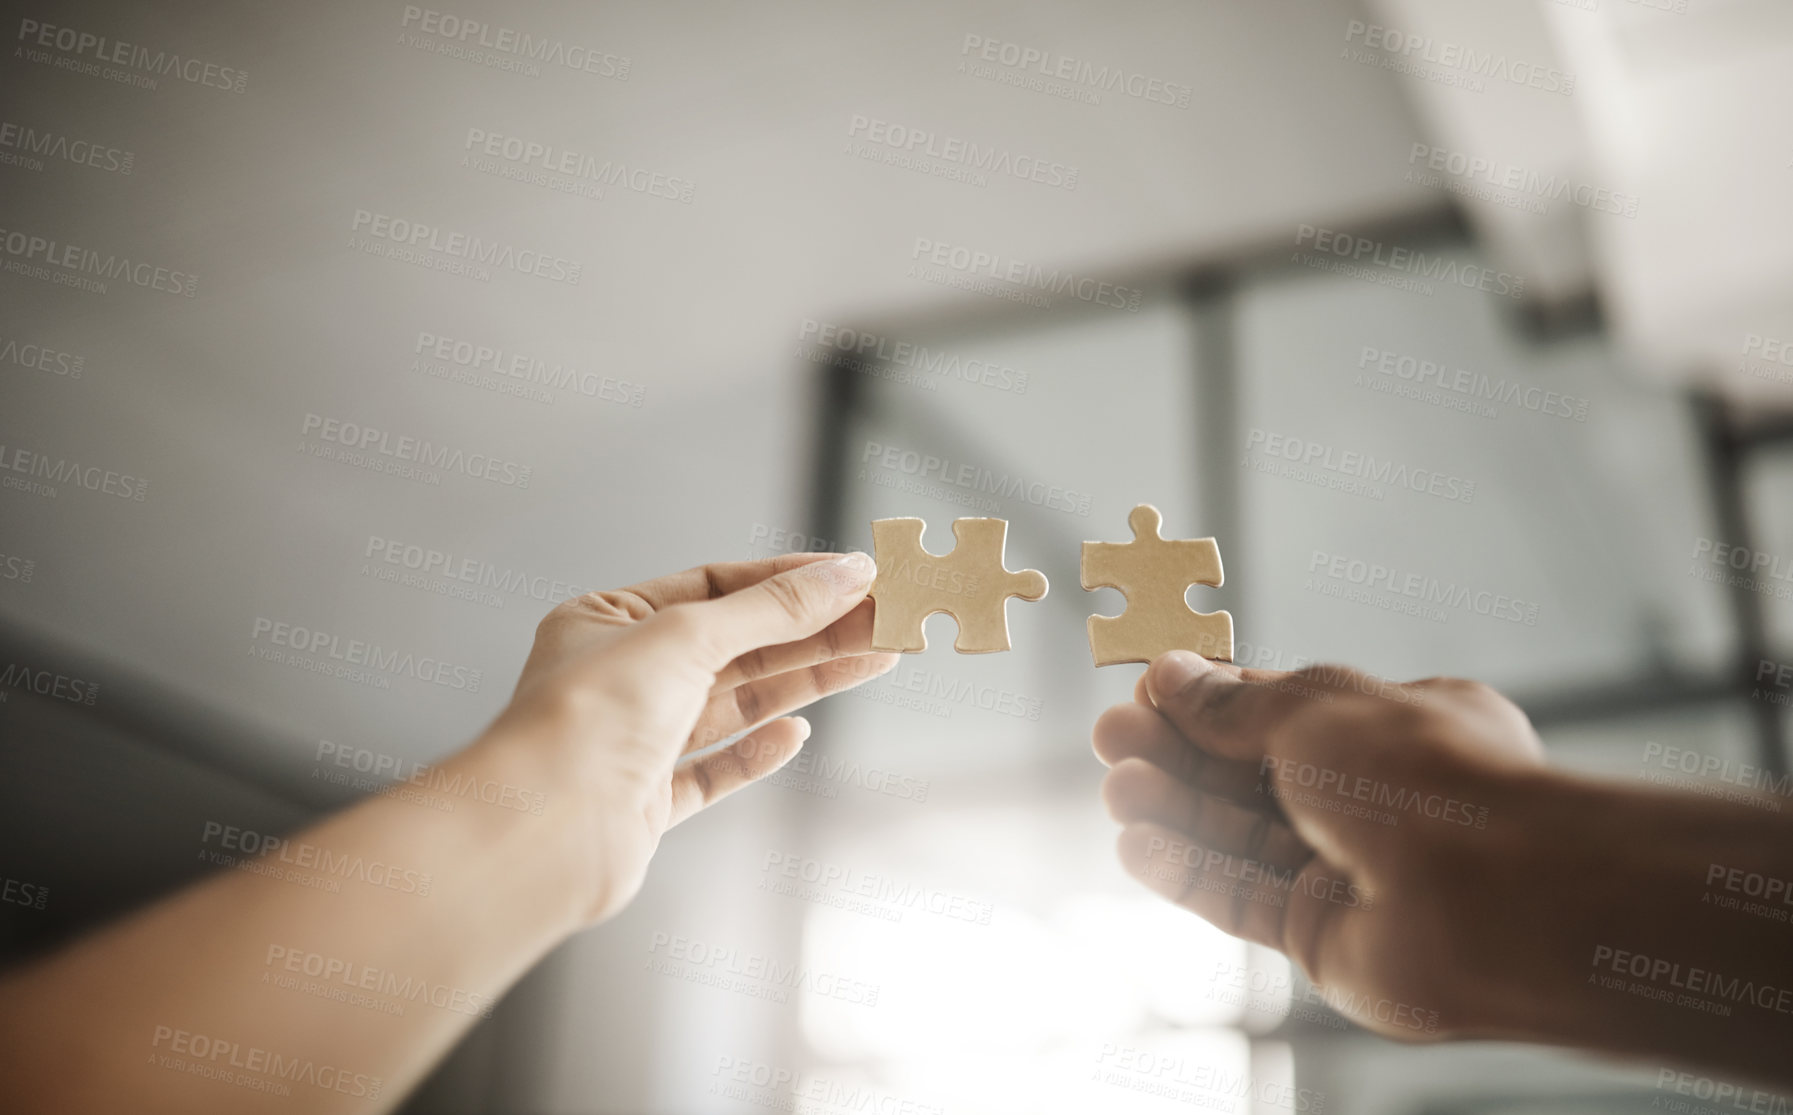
(1154, 574)
(970, 584)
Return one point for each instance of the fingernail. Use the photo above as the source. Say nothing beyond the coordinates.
(1175, 669)
(803, 728)
(858, 567)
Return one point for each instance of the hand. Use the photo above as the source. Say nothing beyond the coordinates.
(1365, 829)
(622, 685)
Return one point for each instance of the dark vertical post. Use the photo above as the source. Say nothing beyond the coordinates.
(839, 396)
(1210, 298)
(1727, 460)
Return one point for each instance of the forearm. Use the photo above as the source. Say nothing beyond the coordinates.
(333, 972)
(1661, 926)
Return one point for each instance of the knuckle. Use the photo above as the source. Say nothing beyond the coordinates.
(790, 597)
(1200, 693)
(684, 626)
(747, 704)
(611, 604)
(556, 617)
(1454, 687)
(1476, 691)
(831, 643)
(678, 621)
(704, 780)
(1451, 692)
(752, 664)
(571, 708)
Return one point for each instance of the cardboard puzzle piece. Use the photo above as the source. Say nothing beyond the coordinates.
(1154, 574)
(970, 584)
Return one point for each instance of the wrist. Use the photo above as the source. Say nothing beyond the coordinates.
(1541, 877)
(530, 810)
(1597, 918)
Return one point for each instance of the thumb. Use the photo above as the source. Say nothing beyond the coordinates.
(1219, 712)
(783, 608)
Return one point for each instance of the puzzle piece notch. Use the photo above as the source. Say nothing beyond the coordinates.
(970, 584)
(1154, 574)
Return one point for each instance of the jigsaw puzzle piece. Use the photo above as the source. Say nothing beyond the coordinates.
(899, 612)
(1154, 575)
(970, 584)
(984, 626)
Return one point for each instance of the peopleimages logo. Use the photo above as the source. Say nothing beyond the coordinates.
(1361, 251)
(460, 246)
(343, 656)
(1480, 170)
(974, 478)
(345, 981)
(28, 248)
(968, 154)
(1701, 989)
(251, 1066)
(1039, 69)
(777, 1088)
(862, 349)
(78, 45)
(16, 568)
(1767, 358)
(473, 39)
(539, 160)
(41, 358)
(1019, 277)
(61, 470)
(38, 145)
(389, 773)
(1416, 593)
(1400, 50)
(46, 683)
(756, 975)
(1312, 459)
(19, 893)
(1459, 388)
(431, 564)
(234, 846)
(529, 372)
(1198, 1082)
(362, 444)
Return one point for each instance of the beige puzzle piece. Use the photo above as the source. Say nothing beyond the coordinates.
(969, 584)
(1154, 574)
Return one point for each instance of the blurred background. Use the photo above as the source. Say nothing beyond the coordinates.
(1488, 298)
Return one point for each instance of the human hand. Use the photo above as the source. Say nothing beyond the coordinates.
(1367, 830)
(622, 685)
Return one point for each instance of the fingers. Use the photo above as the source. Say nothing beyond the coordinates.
(1236, 867)
(850, 635)
(1134, 732)
(783, 608)
(1216, 708)
(1136, 791)
(742, 707)
(1231, 669)
(1208, 884)
(718, 578)
(704, 781)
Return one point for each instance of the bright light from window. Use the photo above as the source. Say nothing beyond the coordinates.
(1092, 996)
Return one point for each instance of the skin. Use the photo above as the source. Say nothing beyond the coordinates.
(1408, 848)
(1486, 898)
(622, 694)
